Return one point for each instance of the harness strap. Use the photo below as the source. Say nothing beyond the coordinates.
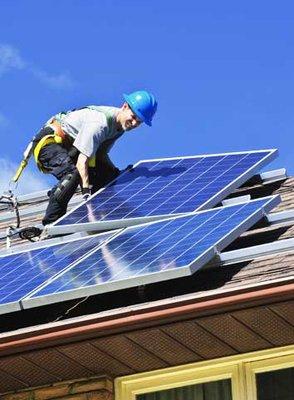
(59, 137)
(48, 139)
(26, 156)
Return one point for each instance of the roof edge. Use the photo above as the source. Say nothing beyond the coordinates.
(60, 333)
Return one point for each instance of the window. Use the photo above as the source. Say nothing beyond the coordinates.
(271, 378)
(219, 390)
(275, 385)
(264, 375)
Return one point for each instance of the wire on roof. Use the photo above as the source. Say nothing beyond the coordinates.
(29, 233)
(10, 200)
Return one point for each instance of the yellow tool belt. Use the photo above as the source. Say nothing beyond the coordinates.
(59, 137)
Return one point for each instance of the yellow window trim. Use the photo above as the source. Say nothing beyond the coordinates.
(241, 369)
(267, 365)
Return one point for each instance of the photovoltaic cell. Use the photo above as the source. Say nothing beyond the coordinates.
(170, 186)
(154, 252)
(22, 273)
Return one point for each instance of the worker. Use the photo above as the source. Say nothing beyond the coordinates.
(73, 146)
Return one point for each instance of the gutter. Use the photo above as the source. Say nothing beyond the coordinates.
(56, 334)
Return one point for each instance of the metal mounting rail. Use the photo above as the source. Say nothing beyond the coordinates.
(281, 218)
(34, 210)
(266, 178)
(273, 176)
(236, 200)
(33, 197)
(253, 252)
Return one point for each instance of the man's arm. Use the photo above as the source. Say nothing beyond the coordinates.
(82, 166)
(102, 153)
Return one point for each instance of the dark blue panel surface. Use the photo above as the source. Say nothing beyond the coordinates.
(158, 247)
(170, 186)
(24, 272)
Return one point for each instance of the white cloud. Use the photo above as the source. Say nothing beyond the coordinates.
(29, 182)
(3, 121)
(60, 81)
(10, 59)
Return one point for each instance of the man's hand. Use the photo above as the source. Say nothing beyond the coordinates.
(86, 193)
(129, 167)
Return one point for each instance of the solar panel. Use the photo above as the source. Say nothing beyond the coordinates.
(169, 186)
(23, 272)
(153, 252)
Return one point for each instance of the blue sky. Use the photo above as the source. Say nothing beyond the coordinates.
(222, 71)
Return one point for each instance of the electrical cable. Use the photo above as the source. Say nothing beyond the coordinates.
(28, 233)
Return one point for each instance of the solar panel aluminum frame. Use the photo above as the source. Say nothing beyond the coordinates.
(29, 246)
(16, 305)
(99, 226)
(127, 222)
(10, 307)
(204, 258)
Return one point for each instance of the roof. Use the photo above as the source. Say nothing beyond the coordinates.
(236, 307)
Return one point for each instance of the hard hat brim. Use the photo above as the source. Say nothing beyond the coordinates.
(135, 111)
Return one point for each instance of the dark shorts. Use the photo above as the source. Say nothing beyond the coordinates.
(56, 160)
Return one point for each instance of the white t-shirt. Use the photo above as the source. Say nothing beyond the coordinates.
(89, 128)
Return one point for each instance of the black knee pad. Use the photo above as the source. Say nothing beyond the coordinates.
(66, 187)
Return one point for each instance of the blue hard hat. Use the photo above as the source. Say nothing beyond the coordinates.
(143, 104)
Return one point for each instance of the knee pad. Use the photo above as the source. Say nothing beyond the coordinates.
(66, 187)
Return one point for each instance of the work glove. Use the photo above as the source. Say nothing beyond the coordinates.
(130, 167)
(86, 193)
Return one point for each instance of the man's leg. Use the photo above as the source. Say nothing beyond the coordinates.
(58, 162)
(60, 195)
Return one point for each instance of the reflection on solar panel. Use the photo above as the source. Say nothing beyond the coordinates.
(21, 273)
(170, 186)
(154, 252)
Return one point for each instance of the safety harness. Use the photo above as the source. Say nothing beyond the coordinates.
(58, 136)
